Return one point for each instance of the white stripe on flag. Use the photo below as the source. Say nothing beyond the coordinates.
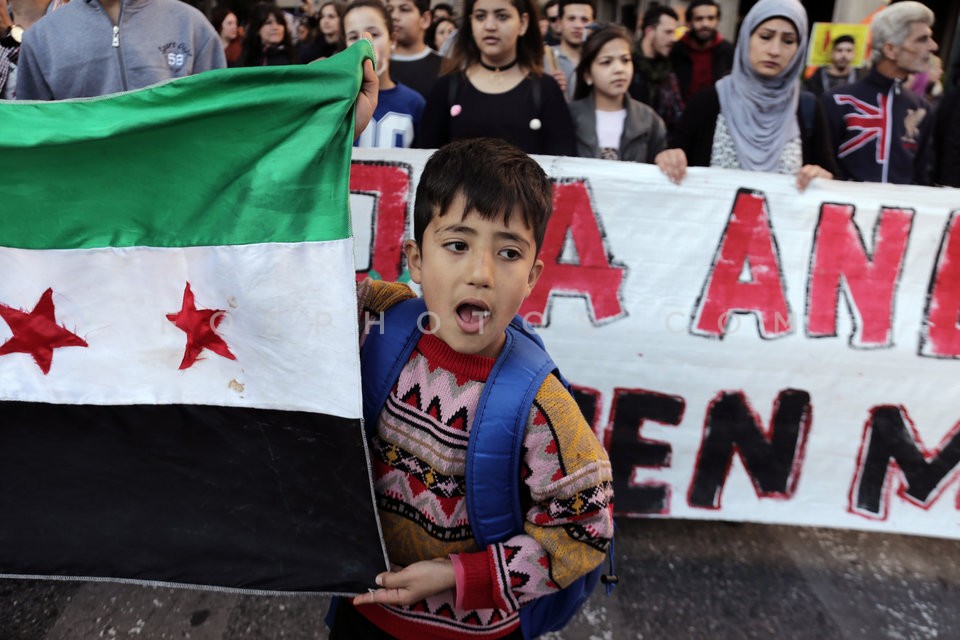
(290, 322)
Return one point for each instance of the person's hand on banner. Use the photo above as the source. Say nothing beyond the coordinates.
(673, 163)
(369, 94)
(412, 583)
(808, 172)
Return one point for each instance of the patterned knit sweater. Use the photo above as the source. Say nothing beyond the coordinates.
(419, 457)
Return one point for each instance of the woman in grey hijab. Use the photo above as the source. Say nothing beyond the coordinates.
(757, 118)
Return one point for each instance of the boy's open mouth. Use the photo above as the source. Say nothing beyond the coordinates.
(471, 316)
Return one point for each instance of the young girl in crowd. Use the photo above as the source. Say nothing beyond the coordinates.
(493, 84)
(331, 34)
(226, 24)
(439, 31)
(609, 123)
(268, 41)
(399, 107)
(754, 118)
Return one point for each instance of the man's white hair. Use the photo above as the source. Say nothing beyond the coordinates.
(893, 25)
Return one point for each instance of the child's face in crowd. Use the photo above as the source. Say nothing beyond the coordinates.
(496, 26)
(272, 31)
(329, 21)
(368, 19)
(408, 23)
(444, 31)
(612, 69)
(229, 27)
(772, 46)
(474, 273)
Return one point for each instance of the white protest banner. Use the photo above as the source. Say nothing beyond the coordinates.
(745, 351)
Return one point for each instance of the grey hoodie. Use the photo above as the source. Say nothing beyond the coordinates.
(77, 52)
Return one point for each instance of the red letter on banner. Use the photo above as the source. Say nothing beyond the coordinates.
(941, 335)
(593, 277)
(840, 256)
(745, 275)
(390, 185)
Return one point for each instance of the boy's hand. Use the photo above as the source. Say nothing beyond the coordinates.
(412, 583)
(369, 93)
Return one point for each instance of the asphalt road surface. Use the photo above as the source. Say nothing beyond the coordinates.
(678, 579)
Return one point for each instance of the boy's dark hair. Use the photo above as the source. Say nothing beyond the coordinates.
(591, 48)
(493, 176)
(701, 3)
(844, 38)
(443, 6)
(564, 3)
(423, 6)
(652, 16)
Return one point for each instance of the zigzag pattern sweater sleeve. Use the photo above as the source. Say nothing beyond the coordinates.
(568, 518)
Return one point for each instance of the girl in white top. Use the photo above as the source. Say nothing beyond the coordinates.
(609, 123)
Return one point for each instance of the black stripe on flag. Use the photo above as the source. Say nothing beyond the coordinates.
(219, 496)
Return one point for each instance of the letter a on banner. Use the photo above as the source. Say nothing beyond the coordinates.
(745, 275)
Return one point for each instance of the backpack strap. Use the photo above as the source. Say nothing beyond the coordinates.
(385, 353)
(496, 438)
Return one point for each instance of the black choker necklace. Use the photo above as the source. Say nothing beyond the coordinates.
(490, 67)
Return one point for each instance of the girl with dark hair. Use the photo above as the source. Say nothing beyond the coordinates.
(756, 118)
(399, 107)
(493, 84)
(330, 40)
(438, 33)
(609, 123)
(268, 40)
(225, 22)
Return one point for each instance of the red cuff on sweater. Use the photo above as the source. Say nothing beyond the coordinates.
(474, 581)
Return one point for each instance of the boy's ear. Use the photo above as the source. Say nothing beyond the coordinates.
(426, 19)
(414, 260)
(535, 271)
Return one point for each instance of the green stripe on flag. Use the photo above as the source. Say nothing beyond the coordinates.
(236, 156)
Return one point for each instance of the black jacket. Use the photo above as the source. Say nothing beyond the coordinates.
(946, 141)
(683, 64)
(880, 131)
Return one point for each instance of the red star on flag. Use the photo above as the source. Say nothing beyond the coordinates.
(200, 325)
(37, 332)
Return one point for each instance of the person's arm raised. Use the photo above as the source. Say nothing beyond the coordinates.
(368, 96)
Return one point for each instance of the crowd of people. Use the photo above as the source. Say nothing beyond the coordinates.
(674, 92)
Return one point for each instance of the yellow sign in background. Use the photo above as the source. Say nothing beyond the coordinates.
(823, 35)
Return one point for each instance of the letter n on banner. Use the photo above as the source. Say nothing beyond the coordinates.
(389, 184)
(941, 333)
(593, 276)
(840, 262)
(891, 446)
(772, 459)
(745, 276)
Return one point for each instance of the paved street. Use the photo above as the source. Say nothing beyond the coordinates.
(679, 579)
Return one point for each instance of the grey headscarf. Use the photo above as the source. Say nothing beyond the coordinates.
(761, 112)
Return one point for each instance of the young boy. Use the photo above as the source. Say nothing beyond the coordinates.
(481, 210)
